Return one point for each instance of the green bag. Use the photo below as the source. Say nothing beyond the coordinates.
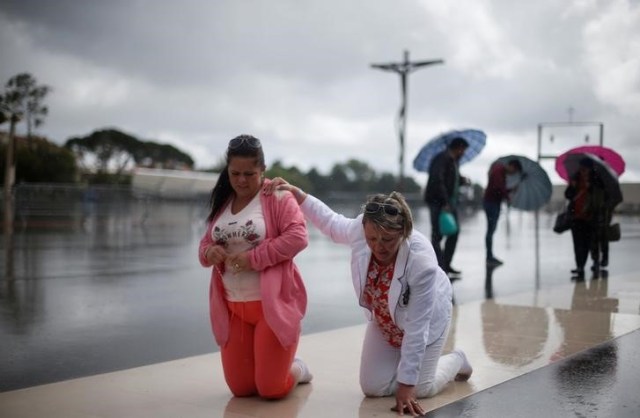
(447, 223)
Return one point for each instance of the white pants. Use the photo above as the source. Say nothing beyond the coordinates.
(379, 364)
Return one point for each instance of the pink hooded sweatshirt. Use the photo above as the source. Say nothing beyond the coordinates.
(284, 298)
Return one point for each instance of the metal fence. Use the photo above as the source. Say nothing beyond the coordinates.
(50, 205)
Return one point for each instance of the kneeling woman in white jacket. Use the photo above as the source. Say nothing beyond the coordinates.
(407, 297)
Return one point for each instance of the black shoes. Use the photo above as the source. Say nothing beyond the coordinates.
(577, 274)
(492, 261)
(452, 273)
(451, 270)
(454, 278)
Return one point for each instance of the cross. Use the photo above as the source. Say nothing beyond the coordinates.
(403, 69)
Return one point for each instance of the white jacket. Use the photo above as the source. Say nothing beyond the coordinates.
(420, 296)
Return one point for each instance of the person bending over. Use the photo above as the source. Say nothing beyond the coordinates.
(407, 298)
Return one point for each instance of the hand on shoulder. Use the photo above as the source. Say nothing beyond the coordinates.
(278, 183)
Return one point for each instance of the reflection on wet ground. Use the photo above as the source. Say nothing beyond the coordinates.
(526, 362)
(599, 382)
(94, 294)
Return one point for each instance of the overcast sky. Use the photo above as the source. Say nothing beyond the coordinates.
(296, 74)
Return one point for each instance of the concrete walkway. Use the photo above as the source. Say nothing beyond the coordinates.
(504, 338)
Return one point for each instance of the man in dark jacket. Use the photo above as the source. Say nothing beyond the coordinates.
(441, 194)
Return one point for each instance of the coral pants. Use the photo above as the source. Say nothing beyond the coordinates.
(253, 359)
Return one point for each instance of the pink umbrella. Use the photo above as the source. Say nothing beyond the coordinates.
(609, 156)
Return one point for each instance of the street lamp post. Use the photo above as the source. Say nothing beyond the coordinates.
(9, 172)
(9, 178)
(403, 69)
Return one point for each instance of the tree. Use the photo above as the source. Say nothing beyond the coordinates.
(319, 184)
(386, 183)
(23, 96)
(39, 160)
(339, 178)
(291, 174)
(362, 175)
(112, 151)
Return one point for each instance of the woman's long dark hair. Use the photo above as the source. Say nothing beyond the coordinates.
(240, 146)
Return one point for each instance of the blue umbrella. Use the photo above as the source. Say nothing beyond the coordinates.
(476, 139)
(532, 186)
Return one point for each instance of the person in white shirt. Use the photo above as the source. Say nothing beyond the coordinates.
(407, 298)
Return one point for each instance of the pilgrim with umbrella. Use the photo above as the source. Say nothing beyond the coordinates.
(441, 158)
(593, 192)
(519, 181)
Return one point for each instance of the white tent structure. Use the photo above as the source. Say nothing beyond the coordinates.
(172, 184)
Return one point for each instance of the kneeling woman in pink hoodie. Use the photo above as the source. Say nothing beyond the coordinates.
(257, 298)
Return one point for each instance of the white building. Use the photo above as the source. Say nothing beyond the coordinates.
(172, 184)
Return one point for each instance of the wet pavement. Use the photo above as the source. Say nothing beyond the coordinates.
(505, 339)
(96, 294)
(602, 381)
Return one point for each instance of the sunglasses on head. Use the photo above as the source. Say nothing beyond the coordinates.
(375, 207)
(250, 141)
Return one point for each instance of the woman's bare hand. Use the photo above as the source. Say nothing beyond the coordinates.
(216, 254)
(406, 401)
(238, 262)
(278, 183)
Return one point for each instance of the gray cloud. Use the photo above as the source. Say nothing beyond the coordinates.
(296, 73)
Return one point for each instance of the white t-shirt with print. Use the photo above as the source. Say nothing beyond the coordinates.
(237, 233)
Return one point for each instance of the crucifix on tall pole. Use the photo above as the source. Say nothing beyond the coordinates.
(404, 69)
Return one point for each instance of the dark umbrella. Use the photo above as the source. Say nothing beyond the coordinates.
(602, 170)
(475, 138)
(532, 186)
